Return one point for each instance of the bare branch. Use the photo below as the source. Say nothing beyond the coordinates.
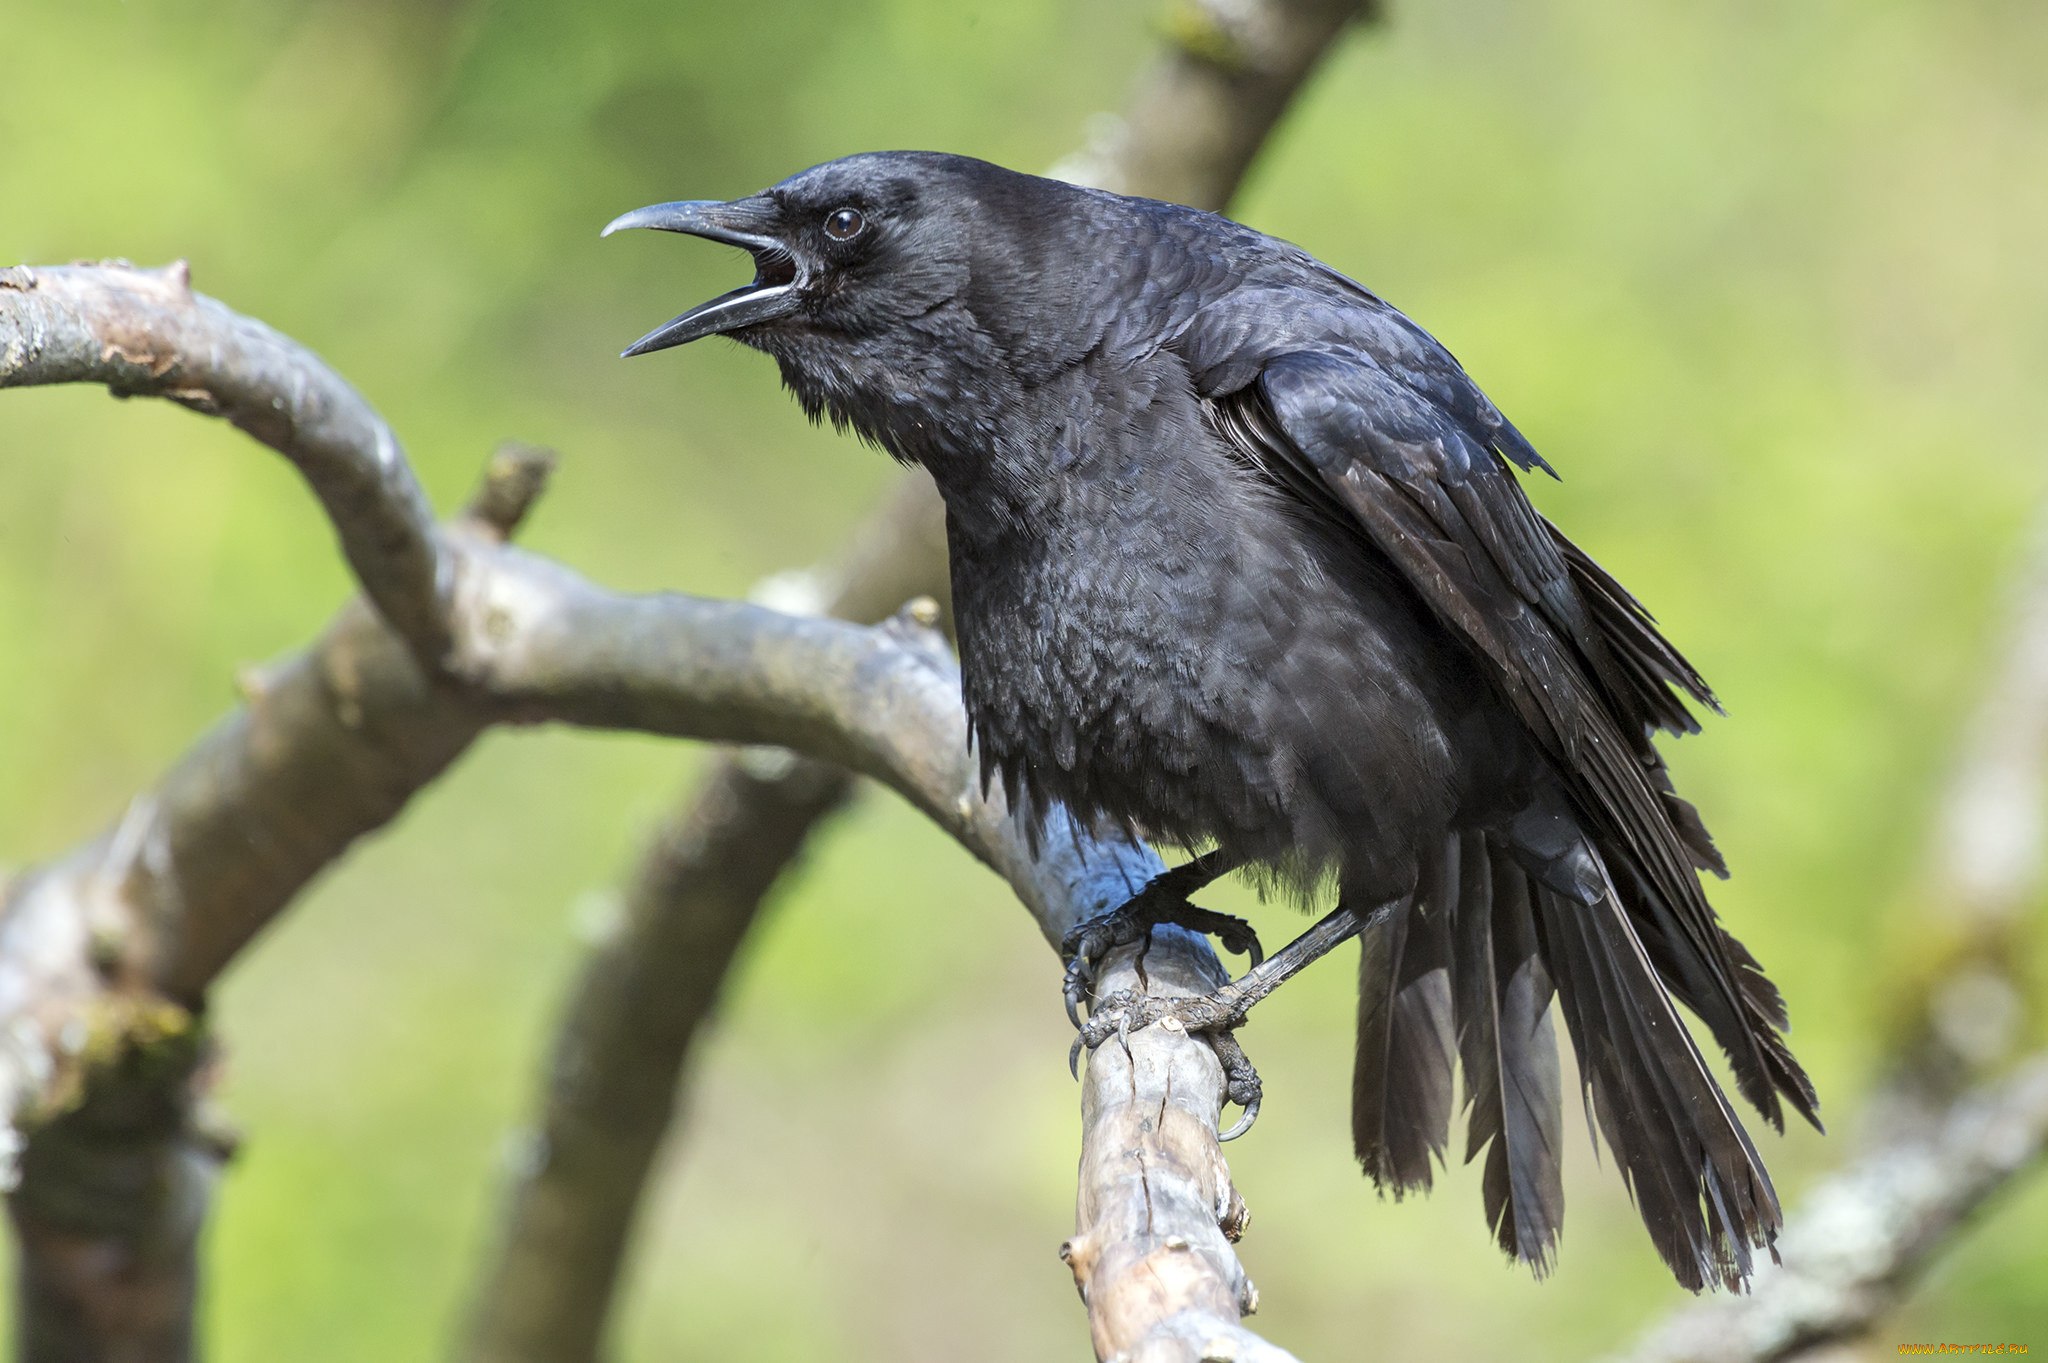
(513, 481)
(144, 332)
(1157, 1213)
(1866, 1234)
(109, 1209)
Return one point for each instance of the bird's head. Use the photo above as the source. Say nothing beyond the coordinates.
(841, 251)
(919, 298)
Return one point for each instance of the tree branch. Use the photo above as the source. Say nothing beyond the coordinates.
(105, 955)
(145, 333)
(1226, 73)
(1157, 1213)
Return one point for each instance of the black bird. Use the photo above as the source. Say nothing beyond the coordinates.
(1240, 561)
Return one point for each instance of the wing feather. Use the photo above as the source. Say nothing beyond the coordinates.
(1572, 653)
(1386, 437)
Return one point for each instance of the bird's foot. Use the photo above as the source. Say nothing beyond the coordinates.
(1132, 921)
(1215, 1016)
(1220, 1013)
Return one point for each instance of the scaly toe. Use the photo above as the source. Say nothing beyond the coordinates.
(1117, 1015)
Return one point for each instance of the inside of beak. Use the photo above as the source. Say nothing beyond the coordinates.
(772, 294)
(774, 269)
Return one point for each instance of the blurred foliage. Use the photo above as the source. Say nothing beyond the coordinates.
(1762, 279)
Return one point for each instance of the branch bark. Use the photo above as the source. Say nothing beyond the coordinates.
(1157, 1212)
(145, 333)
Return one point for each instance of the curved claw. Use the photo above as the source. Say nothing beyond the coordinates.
(1074, 1057)
(1080, 981)
(1254, 953)
(1243, 1123)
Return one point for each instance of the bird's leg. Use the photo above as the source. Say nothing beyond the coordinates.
(1164, 899)
(1220, 1012)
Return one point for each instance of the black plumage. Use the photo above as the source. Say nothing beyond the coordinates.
(1240, 559)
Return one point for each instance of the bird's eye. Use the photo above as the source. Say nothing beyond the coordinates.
(844, 224)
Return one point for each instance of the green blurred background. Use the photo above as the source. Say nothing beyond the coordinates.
(1761, 278)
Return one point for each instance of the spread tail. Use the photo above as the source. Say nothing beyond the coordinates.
(1467, 968)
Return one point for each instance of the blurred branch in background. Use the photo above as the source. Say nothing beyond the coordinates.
(649, 985)
(1225, 75)
(1864, 1236)
(1944, 1132)
(1963, 1002)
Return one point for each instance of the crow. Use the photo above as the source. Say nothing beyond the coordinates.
(1241, 562)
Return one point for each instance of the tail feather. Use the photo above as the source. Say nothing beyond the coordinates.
(1647, 680)
(1697, 1181)
(1686, 822)
(1747, 1021)
(1508, 1047)
(1468, 967)
(1401, 1082)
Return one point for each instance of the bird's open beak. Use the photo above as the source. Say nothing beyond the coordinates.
(745, 223)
